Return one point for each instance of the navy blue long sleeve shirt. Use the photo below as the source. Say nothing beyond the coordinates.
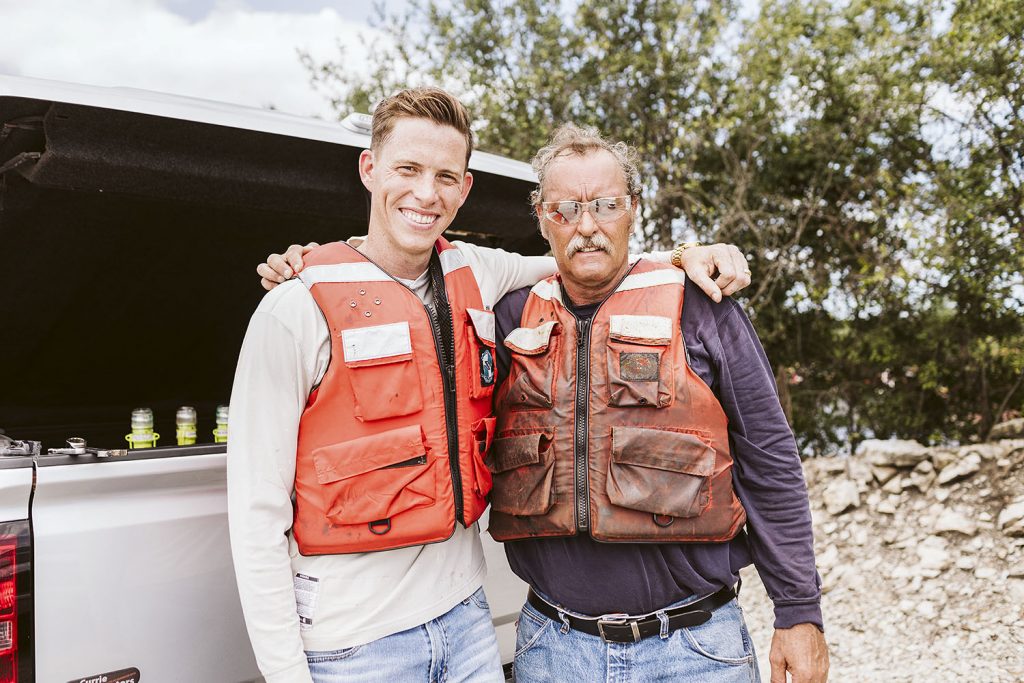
(597, 578)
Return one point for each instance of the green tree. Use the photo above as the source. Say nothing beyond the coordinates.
(866, 153)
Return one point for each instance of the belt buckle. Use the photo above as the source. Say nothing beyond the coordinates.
(617, 620)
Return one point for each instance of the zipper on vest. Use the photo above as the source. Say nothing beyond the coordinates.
(450, 401)
(581, 418)
(582, 412)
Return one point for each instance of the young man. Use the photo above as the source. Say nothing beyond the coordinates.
(360, 416)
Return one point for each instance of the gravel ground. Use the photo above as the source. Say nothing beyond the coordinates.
(907, 600)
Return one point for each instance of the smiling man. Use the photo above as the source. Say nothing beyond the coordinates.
(360, 413)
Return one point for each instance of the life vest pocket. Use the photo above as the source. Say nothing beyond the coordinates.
(384, 377)
(475, 503)
(523, 469)
(660, 471)
(483, 359)
(640, 371)
(483, 436)
(531, 378)
(376, 477)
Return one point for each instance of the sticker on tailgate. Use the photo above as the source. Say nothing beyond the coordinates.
(119, 676)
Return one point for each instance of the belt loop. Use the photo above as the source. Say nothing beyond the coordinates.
(663, 619)
(565, 622)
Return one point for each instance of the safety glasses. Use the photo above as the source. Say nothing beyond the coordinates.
(602, 209)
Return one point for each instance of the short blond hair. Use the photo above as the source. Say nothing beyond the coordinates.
(433, 104)
(570, 139)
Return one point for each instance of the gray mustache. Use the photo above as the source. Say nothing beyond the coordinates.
(592, 242)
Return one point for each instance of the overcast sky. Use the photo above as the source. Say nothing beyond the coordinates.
(241, 51)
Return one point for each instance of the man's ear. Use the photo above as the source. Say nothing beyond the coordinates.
(366, 166)
(539, 212)
(467, 185)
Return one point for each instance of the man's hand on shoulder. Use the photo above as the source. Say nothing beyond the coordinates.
(281, 267)
(802, 652)
(718, 269)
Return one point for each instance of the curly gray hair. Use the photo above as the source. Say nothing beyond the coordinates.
(571, 139)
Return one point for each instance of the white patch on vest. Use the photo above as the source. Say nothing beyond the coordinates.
(343, 272)
(649, 329)
(379, 341)
(452, 259)
(307, 591)
(547, 290)
(483, 323)
(530, 339)
(652, 278)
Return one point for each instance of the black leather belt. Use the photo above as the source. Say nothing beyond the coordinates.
(628, 630)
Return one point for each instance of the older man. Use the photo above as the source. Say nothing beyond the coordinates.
(360, 410)
(641, 456)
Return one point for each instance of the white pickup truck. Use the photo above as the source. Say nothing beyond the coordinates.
(130, 223)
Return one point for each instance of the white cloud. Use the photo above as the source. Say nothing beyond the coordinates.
(233, 54)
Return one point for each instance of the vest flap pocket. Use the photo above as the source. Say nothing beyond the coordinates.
(376, 345)
(651, 330)
(523, 468)
(483, 324)
(391, 449)
(379, 365)
(659, 471)
(377, 477)
(531, 341)
(516, 451)
(663, 450)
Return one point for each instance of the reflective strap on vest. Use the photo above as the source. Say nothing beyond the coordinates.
(452, 260)
(652, 278)
(548, 290)
(343, 272)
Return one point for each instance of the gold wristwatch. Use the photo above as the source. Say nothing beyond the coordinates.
(677, 253)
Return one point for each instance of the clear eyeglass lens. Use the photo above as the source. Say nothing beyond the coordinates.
(602, 209)
(567, 212)
(607, 208)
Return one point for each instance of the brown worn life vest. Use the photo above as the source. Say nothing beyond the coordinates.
(604, 428)
(390, 446)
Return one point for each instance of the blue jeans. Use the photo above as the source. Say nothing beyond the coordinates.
(718, 651)
(459, 645)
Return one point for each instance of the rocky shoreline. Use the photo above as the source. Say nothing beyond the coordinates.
(921, 553)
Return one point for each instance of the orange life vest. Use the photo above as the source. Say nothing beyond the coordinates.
(391, 443)
(604, 428)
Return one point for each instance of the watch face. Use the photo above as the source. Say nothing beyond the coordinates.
(486, 367)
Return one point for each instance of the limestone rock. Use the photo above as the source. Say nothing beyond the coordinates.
(933, 554)
(1011, 519)
(833, 465)
(943, 457)
(859, 471)
(841, 495)
(986, 573)
(892, 452)
(894, 485)
(966, 562)
(923, 476)
(883, 474)
(886, 508)
(951, 520)
(1011, 429)
(960, 469)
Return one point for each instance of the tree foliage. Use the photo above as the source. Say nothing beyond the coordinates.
(868, 155)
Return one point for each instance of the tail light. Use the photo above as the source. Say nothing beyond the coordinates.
(16, 656)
